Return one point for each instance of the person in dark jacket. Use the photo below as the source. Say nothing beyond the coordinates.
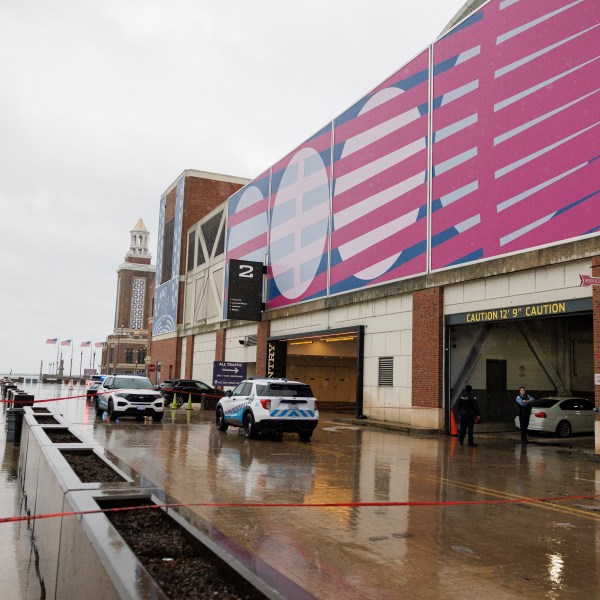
(468, 410)
(524, 401)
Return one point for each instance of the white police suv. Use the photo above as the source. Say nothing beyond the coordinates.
(129, 396)
(264, 405)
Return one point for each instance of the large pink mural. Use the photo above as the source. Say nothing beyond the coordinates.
(504, 158)
(516, 132)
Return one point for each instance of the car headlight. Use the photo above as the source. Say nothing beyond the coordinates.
(122, 395)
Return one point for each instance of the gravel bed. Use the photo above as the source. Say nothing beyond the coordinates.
(172, 558)
(89, 467)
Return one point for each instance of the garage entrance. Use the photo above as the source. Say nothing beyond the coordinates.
(331, 362)
(548, 348)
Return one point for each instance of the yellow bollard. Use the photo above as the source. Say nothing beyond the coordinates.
(189, 406)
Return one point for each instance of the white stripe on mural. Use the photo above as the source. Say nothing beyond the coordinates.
(512, 99)
(445, 132)
(525, 126)
(453, 162)
(350, 214)
(519, 232)
(367, 240)
(519, 197)
(523, 161)
(358, 142)
(459, 92)
(523, 61)
(535, 22)
(459, 193)
(346, 182)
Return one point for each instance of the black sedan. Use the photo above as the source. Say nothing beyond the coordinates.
(185, 389)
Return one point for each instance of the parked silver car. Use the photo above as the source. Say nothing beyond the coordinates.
(562, 415)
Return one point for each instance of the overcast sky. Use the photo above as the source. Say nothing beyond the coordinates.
(104, 103)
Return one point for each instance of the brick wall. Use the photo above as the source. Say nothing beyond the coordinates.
(596, 316)
(428, 348)
(189, 356)
(168, 352)
(220, 344)
(263, 331)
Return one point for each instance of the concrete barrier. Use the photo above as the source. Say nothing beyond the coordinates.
(84, 552)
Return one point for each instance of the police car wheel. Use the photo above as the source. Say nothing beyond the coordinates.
(305, 435)
(220, 419)
(249, 427)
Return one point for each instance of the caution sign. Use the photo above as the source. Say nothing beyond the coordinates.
(229, 373)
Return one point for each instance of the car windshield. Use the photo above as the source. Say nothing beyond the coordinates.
(199, 385)
(286, 390)
(544, 403)
(132, 383)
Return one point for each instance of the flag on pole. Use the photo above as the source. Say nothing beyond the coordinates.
(86, 344)
(51, 340)
(99, 345)
(66, 343)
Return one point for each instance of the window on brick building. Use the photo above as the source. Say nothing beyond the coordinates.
(128, 355)
(191, 250)
(386, 371)
(167, 256)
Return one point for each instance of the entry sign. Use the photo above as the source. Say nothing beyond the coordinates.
(244, 294)
(229, 373)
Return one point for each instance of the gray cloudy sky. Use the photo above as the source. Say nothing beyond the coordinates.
(105, 102)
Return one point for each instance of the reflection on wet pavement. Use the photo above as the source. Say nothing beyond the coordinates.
(519, 549)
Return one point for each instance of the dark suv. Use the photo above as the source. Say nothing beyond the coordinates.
(184, 389)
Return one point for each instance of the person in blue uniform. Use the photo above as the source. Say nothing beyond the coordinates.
(468, 410)
(524, 401)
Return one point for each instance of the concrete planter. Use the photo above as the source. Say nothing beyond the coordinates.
(83, 555)
(37, 438)
(29, 421)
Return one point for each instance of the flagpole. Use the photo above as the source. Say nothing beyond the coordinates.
(71, 366)
(57, 351)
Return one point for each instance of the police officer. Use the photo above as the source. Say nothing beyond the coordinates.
(524, 401)
(468, 409)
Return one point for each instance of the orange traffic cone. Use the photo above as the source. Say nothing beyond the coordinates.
(453, 429)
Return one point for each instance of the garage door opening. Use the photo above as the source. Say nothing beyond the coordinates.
(329, 361)
(548, 355)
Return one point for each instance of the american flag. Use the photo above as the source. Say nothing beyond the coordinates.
(66, 343)
(86, 344)
(99, 345)
(51, 340)
(516, 127)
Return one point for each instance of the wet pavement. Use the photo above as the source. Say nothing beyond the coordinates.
(500, 520)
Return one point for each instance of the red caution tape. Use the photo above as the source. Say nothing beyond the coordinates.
(300, 505)
(28, 402)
